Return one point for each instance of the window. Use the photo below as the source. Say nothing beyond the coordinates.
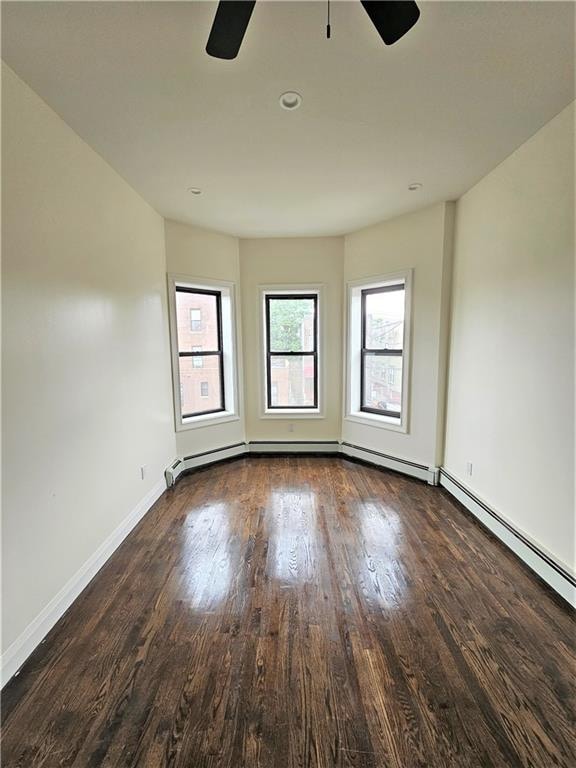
(382, 344)
(291, 337)
(378, 340)
(195, 319)
(197, 361)
(203, 308)
(203, 347)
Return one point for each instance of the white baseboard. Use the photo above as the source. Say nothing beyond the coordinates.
(539, 561)
(294, 446)
(201, 460)
(17, 653)
(420, 471)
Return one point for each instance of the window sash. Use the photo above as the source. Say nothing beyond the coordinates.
(208, 352)
(290, 353)
(383, 352)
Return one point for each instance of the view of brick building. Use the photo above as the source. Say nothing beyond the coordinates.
(197, 323)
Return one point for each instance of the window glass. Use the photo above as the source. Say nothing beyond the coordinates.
(291, 350)
(200, 355)
(197, 320)
(381, 357)
(200, 388)
(385, 319)
(292, 324)
(292, 384)
(383, 383)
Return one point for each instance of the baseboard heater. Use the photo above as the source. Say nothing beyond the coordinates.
(204, 459)
(300, 447)
(405, 466)
(540, 562)
(315, 447)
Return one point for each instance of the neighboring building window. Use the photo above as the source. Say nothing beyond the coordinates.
(197, 361)
(291, 336)
(382, 342)
(195, 320)
(199, 311)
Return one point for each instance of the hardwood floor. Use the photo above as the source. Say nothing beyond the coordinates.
(302, 612)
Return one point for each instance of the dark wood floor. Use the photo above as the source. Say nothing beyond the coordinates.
(302, 612)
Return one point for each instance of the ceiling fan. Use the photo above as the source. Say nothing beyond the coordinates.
(392, 19)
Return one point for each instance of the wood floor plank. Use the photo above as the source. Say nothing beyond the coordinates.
(302, 612)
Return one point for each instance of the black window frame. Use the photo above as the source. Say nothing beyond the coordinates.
(385, 352)
(205, 352)
(270, 353)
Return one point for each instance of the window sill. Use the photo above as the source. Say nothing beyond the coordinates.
(292, 413)
(380, 422)
(207, 420)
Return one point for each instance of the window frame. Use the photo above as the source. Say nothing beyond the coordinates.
(270, 353)
(230, 373)
(353, 343)
(294, 290)
(385, 352)
(206, 352)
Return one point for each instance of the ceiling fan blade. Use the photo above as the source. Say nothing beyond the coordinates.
(228, 28)
(392, 18)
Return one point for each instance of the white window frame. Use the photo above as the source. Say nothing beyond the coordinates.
(292, 413)
(353, 341)
(229, 352)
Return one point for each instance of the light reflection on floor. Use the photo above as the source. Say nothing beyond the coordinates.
(381, 577)
(292, 528)
(207, 557)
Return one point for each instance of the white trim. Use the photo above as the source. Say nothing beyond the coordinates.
(272, 446)
(207, 420)
(17, 653)
(231, 345)
(404, 466)
(536, 563)
(351, 347)
(292, 413)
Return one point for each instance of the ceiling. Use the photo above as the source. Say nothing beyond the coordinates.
(444, 106)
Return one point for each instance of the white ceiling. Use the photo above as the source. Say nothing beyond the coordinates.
(444, 106)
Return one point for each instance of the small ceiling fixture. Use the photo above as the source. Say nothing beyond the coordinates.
(290, 100)
(194, 190)
(414, 186)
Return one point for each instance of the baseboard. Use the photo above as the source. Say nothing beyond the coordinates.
(203, 459)
(317, 447)
(539, 561)
(406, 467)
(17, 653)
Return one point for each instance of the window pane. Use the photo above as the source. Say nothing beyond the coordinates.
(197, 362)
(291, 325)
(385, 320)
(200, 385)
(197, 321)
(383, 382)
(292, 384)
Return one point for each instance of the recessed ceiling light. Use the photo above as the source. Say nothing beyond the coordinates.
(194, 190)
(414, 186)
(290, 100)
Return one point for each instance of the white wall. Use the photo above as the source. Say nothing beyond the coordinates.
(291, 261)
(420, 241)
(86, 377)
(200, 253)
(511, 381)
